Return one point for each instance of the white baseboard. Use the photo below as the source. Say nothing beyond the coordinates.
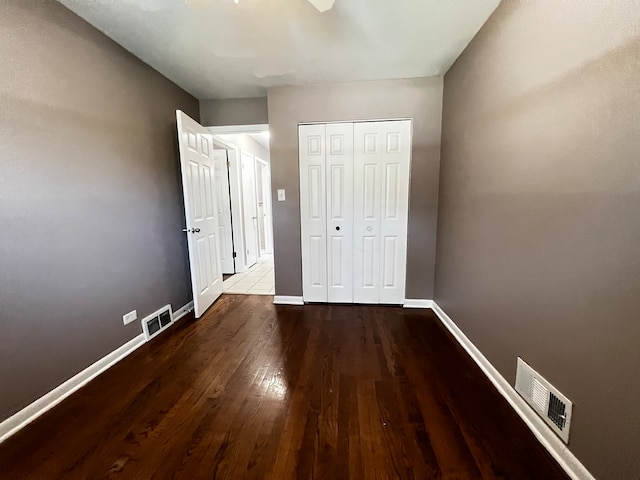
(32, 411)
(284, 300)
(417, 303)
(547, 438)
(181, 312)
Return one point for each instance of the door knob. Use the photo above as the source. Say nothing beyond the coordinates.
(196, 230)
(369, 228)
(193, 230)
(338, 228)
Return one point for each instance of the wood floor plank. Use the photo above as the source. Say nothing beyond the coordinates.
(258, 391)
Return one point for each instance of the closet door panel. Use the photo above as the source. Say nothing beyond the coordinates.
(394, 209)
(339, 174)
(366, 212)
(313, 211)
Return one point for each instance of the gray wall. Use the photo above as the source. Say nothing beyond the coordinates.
(420, 99)
(90, 197)
(538, 250)
(234, 111)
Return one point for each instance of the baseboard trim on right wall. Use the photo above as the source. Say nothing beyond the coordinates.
(547, 438)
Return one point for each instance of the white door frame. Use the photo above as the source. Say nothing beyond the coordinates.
(236, 188)
(229, 129)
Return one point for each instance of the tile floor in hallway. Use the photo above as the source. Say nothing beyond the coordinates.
(258, 280)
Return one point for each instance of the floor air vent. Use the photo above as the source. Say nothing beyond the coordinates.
(157, 322)
(554, 408)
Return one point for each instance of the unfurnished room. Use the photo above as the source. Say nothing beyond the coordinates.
(320, 239)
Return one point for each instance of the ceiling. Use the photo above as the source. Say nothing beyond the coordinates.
(220, 49)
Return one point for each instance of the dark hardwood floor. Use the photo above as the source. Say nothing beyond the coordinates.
(254, 390)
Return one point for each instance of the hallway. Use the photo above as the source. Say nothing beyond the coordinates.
(258, 280)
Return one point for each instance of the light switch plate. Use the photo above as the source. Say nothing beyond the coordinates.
(281, 195)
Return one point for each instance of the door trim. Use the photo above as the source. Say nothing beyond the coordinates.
(397, 119)
(227, 129)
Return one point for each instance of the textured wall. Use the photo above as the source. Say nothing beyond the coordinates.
(419, 99)
(234, 111)
(90, 197)
(539, 218)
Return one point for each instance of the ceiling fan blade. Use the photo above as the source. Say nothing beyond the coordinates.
(322, 5)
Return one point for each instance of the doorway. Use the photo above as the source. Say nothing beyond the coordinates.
(247, 236)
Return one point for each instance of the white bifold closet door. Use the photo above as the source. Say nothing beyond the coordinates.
(313, 207)
(339, 172)
(354, 194)
(382, 152)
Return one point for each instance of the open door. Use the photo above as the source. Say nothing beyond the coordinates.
(224, 211)
(250, 209)
(201, 212)
(261, 190)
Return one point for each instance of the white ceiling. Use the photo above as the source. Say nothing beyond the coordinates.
(220, 49)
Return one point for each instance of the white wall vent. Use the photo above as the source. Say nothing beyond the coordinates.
(554, 408)
(157, 322)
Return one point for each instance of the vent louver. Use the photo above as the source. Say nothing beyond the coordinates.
(551, 405)
(165, 318)
(153, 326)
(557, 411)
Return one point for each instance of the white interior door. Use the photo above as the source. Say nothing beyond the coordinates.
(224, 211)
(339, 175)
(250, 207)
(201, 212)
(262, 206)
(237, 215)
(313, 208)
(382, 152)
(268, 206)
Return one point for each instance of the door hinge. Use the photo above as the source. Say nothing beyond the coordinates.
(234, 255)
